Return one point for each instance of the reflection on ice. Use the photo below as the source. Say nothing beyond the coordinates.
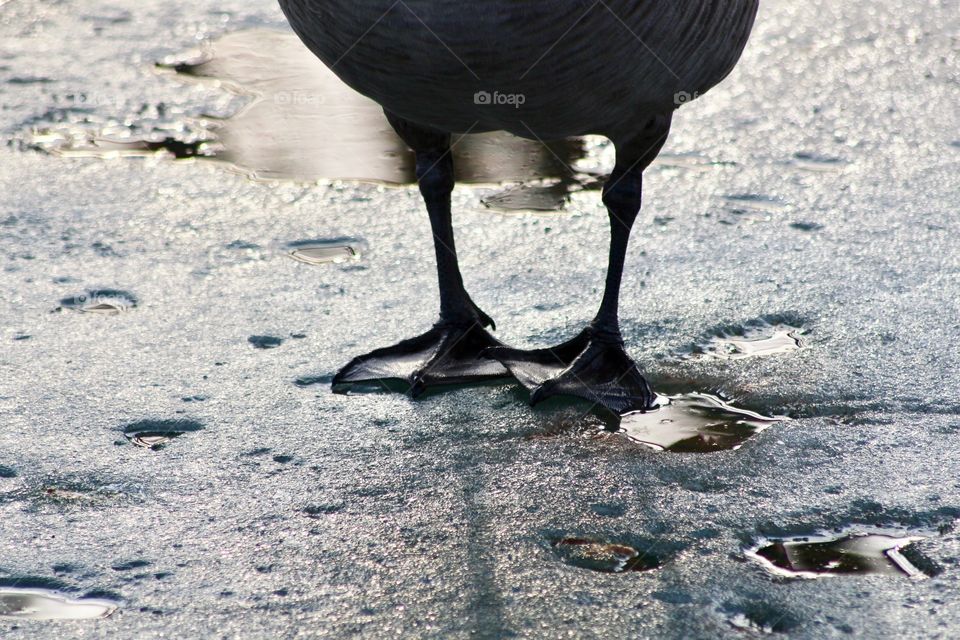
(855, 553)
(116, 148)
(324, 253)
(693, 423)
(762, 339)
(305, 124)
(40, 604)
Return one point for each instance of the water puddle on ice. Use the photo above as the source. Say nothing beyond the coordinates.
(310, 380)
(136, 148)
(324, 255)
(300, 122)
(154, 434)
(606, 557)
(105, 301)
(265, 342)
(317, 252)
(817, 163)
(693, 423)
(762, 339)
(544, 196)
(41, 604)
(841, 554)
(754, 202)
(742, 622)
(304, 123)
(690, 161)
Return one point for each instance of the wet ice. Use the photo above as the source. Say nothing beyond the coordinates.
(437, 517)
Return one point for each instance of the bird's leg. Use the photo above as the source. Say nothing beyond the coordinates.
(451, 351)
(594, 365)
(435, 178)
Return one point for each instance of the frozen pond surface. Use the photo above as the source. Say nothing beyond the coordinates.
(817, 190)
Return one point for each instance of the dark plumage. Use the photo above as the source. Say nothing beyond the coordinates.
(583, 66)
(617, 68)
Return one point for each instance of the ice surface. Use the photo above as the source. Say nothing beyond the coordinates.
(816, 188)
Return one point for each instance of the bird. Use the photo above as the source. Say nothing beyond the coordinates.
(543, 70)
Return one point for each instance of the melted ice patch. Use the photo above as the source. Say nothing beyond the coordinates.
(754, 202)
(324, 254)
(750, 341)
(605, 557)
(693, 423)
(154, 434)
(41, 604)
(105, 301)
(817, 163)
(842, 554)
(320, 251)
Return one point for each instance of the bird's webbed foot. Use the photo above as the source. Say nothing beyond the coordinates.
(449, 353)
(593, 366)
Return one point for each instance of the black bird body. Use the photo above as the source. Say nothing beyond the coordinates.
(582, 66)
(544, 70)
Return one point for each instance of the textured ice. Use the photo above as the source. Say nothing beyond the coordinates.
(817, 187)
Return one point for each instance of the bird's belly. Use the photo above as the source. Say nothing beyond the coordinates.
(539, 70)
